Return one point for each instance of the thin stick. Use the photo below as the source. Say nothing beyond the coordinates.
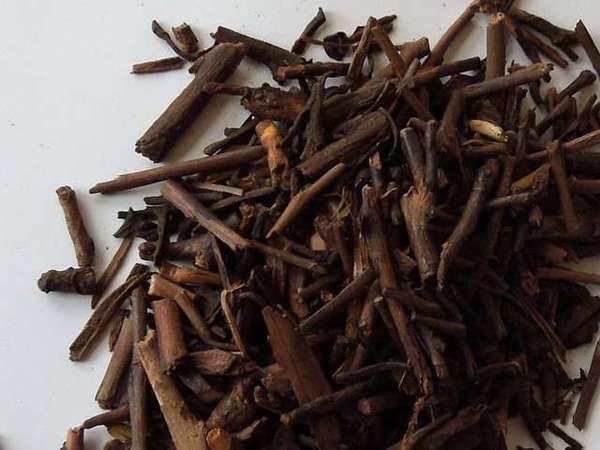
(186, 431)
(183, 200)
(557, 162)
(112, 417)
(186, 275)
(111, 270)
(120, 361)
(102, 315)
(200, 166)
(226, 297)
(369, 371)
(553, 273)
(527, 75)
(587, 42)
(589, 388)
(437, 53)
(83, 244)
(484, 181)
(136, 389)
(301, 200)
(158, 65)
(400, 69)
(336, 306)
(311, 28)
(360, 53)
(328, 403)
(333, 69)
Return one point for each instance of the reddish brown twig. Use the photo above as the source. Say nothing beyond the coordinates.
(83, 244)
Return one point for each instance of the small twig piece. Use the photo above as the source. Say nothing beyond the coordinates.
(301, 200)
(587, 42)
(187, 39)
(557, 162)
(183, 200)
(304, 371)
(169, 329)
(74, 439)
(111, 270)
(589, 388)
(309, 31)
(120, 361)
(158, 65)
(84, 246)
(484, 182)
(81, 281)
(104, 312)
(216, 65)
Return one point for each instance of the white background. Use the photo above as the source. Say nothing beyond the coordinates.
(70, 113)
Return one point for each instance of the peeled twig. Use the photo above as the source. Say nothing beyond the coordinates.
(186, 431)
(169, 329)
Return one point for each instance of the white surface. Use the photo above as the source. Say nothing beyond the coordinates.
(70, 113)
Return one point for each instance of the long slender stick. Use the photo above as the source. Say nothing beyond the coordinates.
(484, 181)
(557, 162)
(111, 270)
(225, 161)
(589, 388)
(137, 384)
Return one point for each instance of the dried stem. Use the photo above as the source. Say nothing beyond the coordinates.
(231, 159)
(111, 270)
(557, 162)
(216, 65)
(301, 200)
(311, 28)
(83, 244)
(484, 182)
(169, 329)
(589, 388)
(186, 275)
(136, 389)
(302, 368)
(332, 69)
(104, 312)
(186, 431)
(183, 200)
(158, 65)
(335, 307)
(81, 281)
(117, 367)
(587, 42)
